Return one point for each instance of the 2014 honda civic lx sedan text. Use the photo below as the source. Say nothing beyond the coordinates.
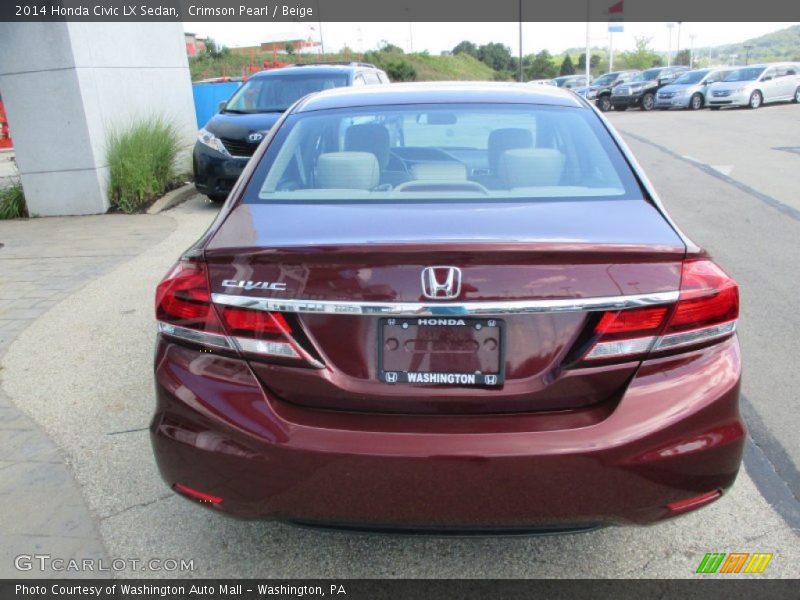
(447, 308)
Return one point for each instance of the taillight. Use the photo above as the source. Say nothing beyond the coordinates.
(707, 310)
(184, 310)
(183, 298)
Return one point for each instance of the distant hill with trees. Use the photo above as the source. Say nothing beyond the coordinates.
(495, 61)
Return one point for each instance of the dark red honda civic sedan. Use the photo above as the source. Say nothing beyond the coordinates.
(447, 308)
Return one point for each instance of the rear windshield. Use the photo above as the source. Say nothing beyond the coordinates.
(438, 152)
(276, 93)
(749, 74)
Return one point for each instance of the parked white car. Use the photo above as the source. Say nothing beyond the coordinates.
(756, 85)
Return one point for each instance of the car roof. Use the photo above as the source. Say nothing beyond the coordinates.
(439, 93)
(314, 69)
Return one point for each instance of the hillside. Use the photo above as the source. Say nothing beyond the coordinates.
(778, 45)
(427, 67)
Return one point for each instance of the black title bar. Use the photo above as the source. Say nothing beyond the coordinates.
(402, 10)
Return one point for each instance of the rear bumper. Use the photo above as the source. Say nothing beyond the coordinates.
(675, 434)
(214, 173)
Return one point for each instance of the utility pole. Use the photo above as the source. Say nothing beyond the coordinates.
(588, 53)
(520, 41)
(669, 47)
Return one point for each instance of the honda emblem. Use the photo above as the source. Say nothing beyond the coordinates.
(441, 282)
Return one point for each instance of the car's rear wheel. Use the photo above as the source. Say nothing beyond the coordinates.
(796, 98)
(604, 103)
(696, 103)
(648, 102)
(755, 99)
(217, 198)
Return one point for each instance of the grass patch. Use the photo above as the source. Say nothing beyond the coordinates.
(12, 201)
(141, 160)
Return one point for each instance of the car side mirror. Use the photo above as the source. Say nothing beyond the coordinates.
(222, 105)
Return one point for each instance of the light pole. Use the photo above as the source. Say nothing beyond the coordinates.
(669, 47)
(678, 45)
(410, 33)
(747, 48)
(691, 50)
(321, 42)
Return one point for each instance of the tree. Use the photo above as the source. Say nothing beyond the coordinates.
(388, 47)
(594, 61)
(541, 67)
(642, 57)
(497, 56)
(467, 48)
(289, 47)
(399, 69)
(682, 57)
(214, 50)
(567, 68)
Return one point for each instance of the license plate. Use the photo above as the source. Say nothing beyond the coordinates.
(444, 351)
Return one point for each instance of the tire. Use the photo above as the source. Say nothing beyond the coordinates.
(620, 107)
(648, 102)
(604, 103)
(714, 107)
(217, 198)
(696, 102)
(756, 100)
(796, 98)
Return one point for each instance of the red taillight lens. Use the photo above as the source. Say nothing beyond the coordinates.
(707, 309)
(708, 297)
(183, 298)
(254, 323)
(197, 494)
(636, 321)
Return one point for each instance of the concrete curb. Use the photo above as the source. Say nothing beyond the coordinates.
(172, 199)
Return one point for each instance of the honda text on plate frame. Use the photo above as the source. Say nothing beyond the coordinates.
(447, 307)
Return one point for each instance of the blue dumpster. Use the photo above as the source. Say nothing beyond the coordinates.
(207, 97)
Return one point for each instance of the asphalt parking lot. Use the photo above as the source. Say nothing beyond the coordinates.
(728, 180)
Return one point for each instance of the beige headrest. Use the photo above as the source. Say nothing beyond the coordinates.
(531, 167)
(348, 171)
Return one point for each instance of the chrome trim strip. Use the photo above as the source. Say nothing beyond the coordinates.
(695, 336)
(413, 309)
(198, 337)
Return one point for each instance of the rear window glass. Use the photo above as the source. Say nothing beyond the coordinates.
(438, 152)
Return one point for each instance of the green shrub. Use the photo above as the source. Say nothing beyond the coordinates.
(12, 201)
(141, 162)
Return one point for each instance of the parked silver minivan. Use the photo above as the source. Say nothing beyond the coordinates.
(756, 85)
(690, 89)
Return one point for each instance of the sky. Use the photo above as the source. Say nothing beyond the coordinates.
(435, 37)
